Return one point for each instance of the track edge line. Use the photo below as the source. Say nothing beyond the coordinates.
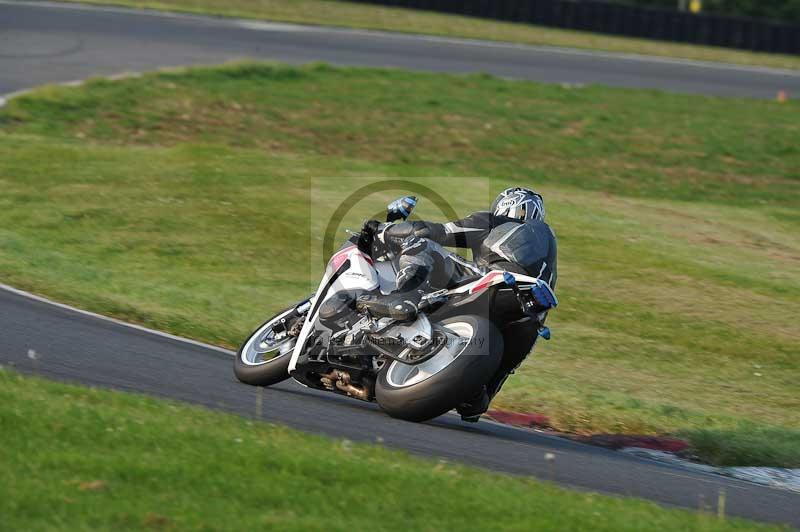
(140, 328)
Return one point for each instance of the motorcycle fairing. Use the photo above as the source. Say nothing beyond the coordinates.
(348, 270)
(496, 277)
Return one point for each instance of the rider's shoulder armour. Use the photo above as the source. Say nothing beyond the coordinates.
(530, 245)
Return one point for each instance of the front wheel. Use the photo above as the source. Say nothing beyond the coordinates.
(470, 354)
(263, 359)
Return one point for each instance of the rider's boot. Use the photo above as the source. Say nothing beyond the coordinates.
(472, 409)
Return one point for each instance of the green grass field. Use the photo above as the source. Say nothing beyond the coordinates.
(82, 459)
(354, 15)
(182, 201)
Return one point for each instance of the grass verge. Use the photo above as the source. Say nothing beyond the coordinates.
(182, 200)
(79, 458)
(347, 14)
(747, 444)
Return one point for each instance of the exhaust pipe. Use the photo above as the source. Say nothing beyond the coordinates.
(341, 380)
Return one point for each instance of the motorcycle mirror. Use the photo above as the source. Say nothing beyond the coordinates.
(401, 208)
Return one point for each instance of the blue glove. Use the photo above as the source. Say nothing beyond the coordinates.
(400, 209)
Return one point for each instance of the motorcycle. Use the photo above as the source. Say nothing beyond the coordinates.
(415, 369)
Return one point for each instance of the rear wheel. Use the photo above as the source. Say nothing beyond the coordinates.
(470, 354)
(264, 357)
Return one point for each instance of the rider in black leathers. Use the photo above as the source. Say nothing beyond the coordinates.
(512, 236)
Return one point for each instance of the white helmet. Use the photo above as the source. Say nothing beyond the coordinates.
(519, 203)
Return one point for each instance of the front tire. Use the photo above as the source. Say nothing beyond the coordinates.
(471, 355)
(263, 359)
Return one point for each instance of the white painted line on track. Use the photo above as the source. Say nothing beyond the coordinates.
(4, 98)
(285, 27)
(115, 321)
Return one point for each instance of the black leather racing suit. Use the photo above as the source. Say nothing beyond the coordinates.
(497, 242)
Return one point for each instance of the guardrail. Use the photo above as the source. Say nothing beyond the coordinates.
(621, 19)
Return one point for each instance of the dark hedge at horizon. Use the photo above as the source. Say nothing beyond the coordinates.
(644, 19)
(779, 10)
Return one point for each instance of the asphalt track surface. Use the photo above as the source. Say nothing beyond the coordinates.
(77, 347)
(41, 43)
(49, 43)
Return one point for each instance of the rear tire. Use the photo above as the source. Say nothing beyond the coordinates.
(450, 386)
(266, 372)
